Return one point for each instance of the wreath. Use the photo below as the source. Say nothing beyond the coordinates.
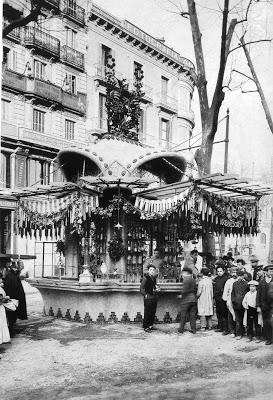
(116, 248)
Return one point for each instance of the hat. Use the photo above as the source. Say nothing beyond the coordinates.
(254, 283)
(240, 272)
(220, 263)
(267, 267)
(253, 258)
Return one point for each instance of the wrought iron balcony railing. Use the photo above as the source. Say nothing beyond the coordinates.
(72, 57)
(15, 34)
(42, 41)
(73, 11)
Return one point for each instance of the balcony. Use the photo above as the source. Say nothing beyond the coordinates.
(72, 57)
(44, 91)
(76, 103)
(45, 139)
(74, 12)
(42, 42)
(15, 34)
(9, 130)
(100, 73)
(167, 103)
(98, 126)
(13, 81)
(148, 91)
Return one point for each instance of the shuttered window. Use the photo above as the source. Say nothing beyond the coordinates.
(102, 112)
(38, 121)
(69, 129)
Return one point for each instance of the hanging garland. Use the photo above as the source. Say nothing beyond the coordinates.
(116, 248)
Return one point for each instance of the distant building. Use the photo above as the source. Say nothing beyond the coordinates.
(53, 95)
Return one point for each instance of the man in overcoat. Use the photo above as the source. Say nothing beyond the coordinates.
(149, 289)
(264, 302)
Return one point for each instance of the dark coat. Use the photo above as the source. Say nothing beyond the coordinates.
(263, 300)
(189, 291)
(239, 289)
(219, 284)
(148, 286)
(14, 289)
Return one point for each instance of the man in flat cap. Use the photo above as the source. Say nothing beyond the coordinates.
(264, 302)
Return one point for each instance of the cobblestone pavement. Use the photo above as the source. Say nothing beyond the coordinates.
(58, 359)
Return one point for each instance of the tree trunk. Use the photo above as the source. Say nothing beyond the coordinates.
(258, 85)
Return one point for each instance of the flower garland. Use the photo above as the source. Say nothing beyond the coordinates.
(116, 248)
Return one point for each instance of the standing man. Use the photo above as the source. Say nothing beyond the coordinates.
(227, 298)
(255, 267)
(191, 261)
(156, 260)
(149, 291)
(239, 289)
(189, 300)
(14, 289)
(221, 306)
(264, 303)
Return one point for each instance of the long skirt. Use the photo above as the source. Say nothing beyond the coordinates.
(4, 330)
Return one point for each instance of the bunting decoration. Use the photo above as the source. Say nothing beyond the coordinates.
(52, 216)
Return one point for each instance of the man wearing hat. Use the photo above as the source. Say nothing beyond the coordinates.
(255, 267)
(264, 303)
(249, 303)
(227, 298)
(149, 289)
(239, 290)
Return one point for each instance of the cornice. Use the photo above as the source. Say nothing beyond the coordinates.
(144, 42)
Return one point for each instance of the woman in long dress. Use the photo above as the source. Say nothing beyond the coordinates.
(4, 330)
(205, 300)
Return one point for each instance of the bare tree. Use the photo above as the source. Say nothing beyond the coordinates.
(35, 11)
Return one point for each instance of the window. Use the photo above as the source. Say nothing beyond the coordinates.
(69, 129)
(71, 81)
(164, 132)
(10, 58)
(71, 37)
(39, 69)
(102, 112)
(138, 71)
(141, 122)
(38, 121)
(164, 87)
(106, 52)
(5, 170)
(38, 172)
(5, 107)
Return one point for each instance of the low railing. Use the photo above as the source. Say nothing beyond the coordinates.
(74, 11)
(98, 125)
(42, 40)
(44, 89)
(72, 57)
(167, 101)
(101, 72)
(15, 34)
(13, 80)
(74, 102)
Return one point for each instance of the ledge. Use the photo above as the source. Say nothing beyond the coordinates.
(75, 286)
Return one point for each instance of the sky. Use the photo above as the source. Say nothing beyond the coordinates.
(251, 142)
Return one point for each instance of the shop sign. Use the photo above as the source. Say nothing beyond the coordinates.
(232, 224)
(8, 204)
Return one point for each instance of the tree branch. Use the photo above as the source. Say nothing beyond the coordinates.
(32, 16)
(247, 11)
(241, 73)
(253, 41)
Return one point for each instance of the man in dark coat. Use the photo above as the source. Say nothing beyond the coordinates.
(264, 302)
(239, 289)
(149, 291)
(188, 300)
(14, 289)
(221, 306)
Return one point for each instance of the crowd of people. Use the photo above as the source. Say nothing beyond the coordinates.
(241, 297)
(12, 300)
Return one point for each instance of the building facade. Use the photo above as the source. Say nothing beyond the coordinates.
(54, 91)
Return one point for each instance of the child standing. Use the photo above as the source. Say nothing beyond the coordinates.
(4, 331)
(249, 303)
(205, 300)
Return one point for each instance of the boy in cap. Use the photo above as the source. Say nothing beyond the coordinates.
(249, 303)
(149, 289)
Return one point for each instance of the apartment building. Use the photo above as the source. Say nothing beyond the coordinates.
(54, 91)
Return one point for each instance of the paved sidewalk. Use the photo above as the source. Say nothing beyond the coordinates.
(57, 359)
